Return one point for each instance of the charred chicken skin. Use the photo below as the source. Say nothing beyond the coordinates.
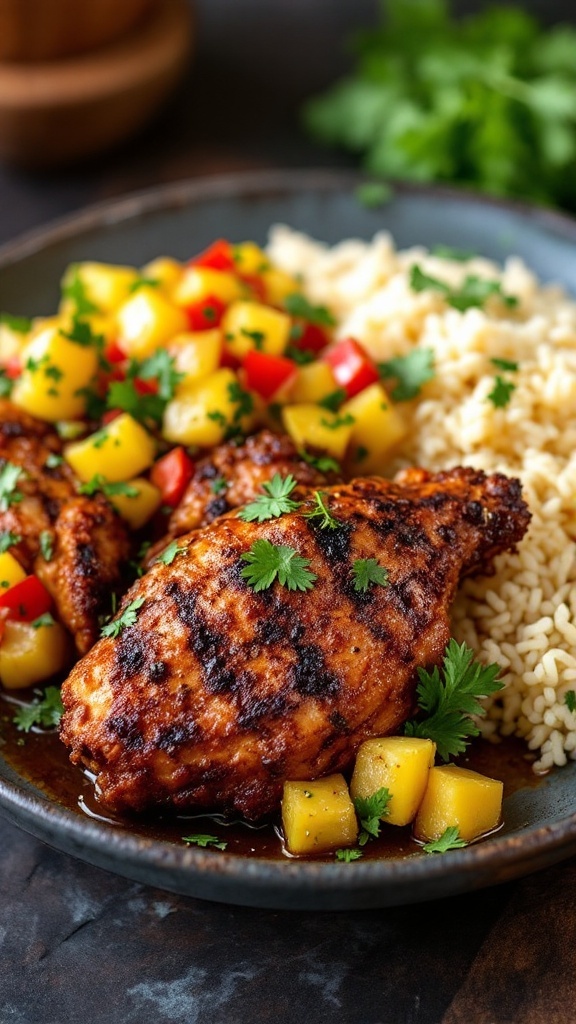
(89, 542)
(216, 693)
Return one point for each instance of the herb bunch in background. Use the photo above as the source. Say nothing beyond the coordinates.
(487, 101)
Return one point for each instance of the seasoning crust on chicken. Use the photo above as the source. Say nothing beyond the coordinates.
(89, 542)
(217, 694)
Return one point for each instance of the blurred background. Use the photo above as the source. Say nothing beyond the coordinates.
(241, 70)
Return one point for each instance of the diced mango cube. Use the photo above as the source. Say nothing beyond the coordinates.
(119, 451)
(30, 654)
(165, 271)
(278, 285)
(249, 258)
(203, 412)
(56, 370)
(315, 381)
(318, 816)
(11, 571)
(196, 353)
(138, 503)
(401, 765)
(251, 325)
(378, 426)
(199, 283)
(310, 426)
(458, 797)
(147, 321)
(105, 285)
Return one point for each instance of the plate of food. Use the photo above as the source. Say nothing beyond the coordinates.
(287, 524)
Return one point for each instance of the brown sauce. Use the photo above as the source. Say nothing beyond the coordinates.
(42, 759)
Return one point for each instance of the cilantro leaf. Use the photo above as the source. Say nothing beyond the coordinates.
(449, 840)
(370, 811)
(8, 539)
(43, 620)
(127, 618)
(504, 364)
(501, 392)
(273, 503)
(348, 854)
(449, 702)
(334, 400)
(45, 712)
(169, 554)
(19, 324)
(46, 544)
(323, 463)
(268, 562)
(82, 334)
(298, 305)
(410, 372)
(570, 700)
(9, 495)
(161, 367)
(204, 841)
(109, 488)
(321, 512)
(474, 291)
(366, 571)
(74, 289)
(123, 394)
(219, 485)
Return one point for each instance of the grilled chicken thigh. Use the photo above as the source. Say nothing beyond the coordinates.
(213, 694)
(89, 542)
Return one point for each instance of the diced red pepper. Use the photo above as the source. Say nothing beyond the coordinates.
(351, 365)
(146, 387)
(219, 256)
(256, 285)
(205, 314)
(266, 374)
(113, 353)
(13, 367)
(228, 359)
(172, 474)
(109, 415)
(27, 600)
(312, 339)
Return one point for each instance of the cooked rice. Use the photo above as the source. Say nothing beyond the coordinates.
(524, 616)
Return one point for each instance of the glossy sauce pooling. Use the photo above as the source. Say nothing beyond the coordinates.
(42, 759)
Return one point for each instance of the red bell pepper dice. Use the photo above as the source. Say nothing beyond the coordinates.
(218, 256)
(205, 314)
(146, 386)
(27, 600)
(312, 339)
(256, 285)
(351, 365)
(13, 367)
(114, 354)
(266, 374)
(171, 475)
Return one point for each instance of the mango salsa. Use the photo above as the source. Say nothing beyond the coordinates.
(119, 451)
(56, 373)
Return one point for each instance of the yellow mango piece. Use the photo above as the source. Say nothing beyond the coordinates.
(249, 258)
(202, 412)
(55, 371)
(30, 655)
(106, 285)
(166, 271)
(314, 382)
(401, 765)
(279, 285)
(458, 797)
(11, 571)
(196, 353)
(199, 283)
(251, 325)
(121, 450)
(378, 426)
(147, 321)
(137, 508)
(310, 426)
(318, 816)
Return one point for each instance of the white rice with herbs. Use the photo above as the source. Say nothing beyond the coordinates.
(524, 616)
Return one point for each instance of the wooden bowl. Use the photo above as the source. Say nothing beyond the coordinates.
(55, 112)
(47, 29)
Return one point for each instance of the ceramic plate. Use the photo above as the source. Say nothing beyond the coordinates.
(179, 220)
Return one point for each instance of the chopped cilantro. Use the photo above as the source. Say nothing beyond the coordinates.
(204, 841)
(474, 291)
(9, 495)
(46, 712)
(366, 571)
(334, 400)
(449, 700)
(242, 399)
(6, 385)
(410, 372)
(298, 305)
(19, 324)
(321, 512)
(75, 290)
(501, 392)
(219, 485)
(46, 544)
(300, 356)
(127, 618)
(370, 811)
(8, 540)
(169, 554)
(339, 421)
(109, 488)
(348, 854)
(258, 337)
(81, 334)
(267, 562)
(143, 282)
(217, 416)
(43, 620)
(323, 463)
(273, 503)
(504, 364)
(449, 840)
(570, 700)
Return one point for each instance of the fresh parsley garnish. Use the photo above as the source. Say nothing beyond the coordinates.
(46, 544)
(159, 367)
(449, 700)
(258, 337)
(366, 571)
(268, 562)
(9, 495)
(8, 540)
(321, 512)
(348, 854)
(449, 840)
(501, 392)
(370, 810)
(276, 500)
(45, 712)
(334, 400)
(109, 488)
(169, 554)
(298, 305)
(82, 334)
(127, 618)
(323, 463)
(410, 372)
(242, 399)
(570, 700)
(474, 291)
(300, 356)
(204, 841)
(18, 324)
